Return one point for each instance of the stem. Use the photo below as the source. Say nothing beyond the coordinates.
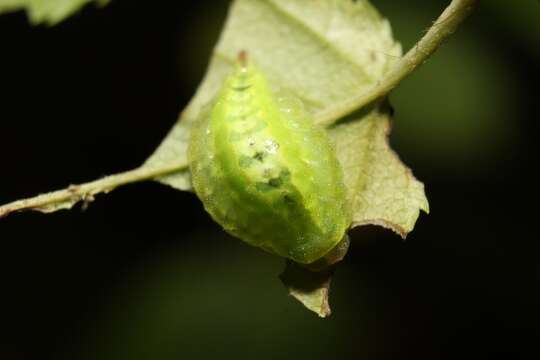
(445, 25)
(67, 197)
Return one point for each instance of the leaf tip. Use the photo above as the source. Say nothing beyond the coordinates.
(310, 288)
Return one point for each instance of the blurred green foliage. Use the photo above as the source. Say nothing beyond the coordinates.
(175, 306)
(48, 12)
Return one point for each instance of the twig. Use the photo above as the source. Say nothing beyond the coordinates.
(69, 196)
(445, 25)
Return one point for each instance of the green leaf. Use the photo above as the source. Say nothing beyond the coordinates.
(381, 189)
(322, 52)
(48, 12)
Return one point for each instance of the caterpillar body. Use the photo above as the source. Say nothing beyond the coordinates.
(265, 173)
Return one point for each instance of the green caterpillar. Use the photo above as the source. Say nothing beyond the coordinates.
(265, 173)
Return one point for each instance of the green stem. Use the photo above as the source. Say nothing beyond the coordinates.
(445, 25)
(69, 196)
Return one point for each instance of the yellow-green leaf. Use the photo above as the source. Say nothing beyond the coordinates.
(381, 189)
(322, 52)
(47, 12)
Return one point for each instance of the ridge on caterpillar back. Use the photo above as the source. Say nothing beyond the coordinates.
(265, 173)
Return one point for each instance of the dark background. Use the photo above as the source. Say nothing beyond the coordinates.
(145, 274)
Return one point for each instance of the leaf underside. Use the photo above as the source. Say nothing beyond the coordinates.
(323, 52)
(381, 189)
